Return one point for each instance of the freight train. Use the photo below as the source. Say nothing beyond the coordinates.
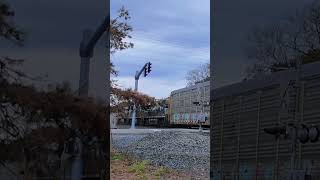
(186, 107)
(255, 124)
(190, 106)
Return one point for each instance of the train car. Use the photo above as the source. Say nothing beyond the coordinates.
(182, 108)
(240, 146)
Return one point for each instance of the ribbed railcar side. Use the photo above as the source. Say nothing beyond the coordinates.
(182, 109)
(240, 149)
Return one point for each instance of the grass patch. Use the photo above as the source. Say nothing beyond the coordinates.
(161, 171)
(138, 167)
(141, 177)
(117, 157)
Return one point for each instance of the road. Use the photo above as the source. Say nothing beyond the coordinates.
(148, 130)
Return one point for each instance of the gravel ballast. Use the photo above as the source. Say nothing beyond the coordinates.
(187, 151)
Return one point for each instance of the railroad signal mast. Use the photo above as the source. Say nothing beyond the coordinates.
(146, 69)
(86, 52)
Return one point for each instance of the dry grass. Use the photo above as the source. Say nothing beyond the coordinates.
(126, 168)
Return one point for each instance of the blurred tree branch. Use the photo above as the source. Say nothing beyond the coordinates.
(198, 75)
(8, 29)
(280, 45)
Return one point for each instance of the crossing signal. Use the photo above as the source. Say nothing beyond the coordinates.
(304, 133)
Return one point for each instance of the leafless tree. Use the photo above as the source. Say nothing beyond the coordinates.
(199, 74)
(279, 45)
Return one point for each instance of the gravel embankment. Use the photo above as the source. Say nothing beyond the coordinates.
(121, 142)
(179, 150)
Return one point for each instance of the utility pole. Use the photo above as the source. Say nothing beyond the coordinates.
(146, 69)
(87, 45)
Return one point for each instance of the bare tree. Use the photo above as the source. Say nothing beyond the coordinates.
(199, 74)
(279, 45)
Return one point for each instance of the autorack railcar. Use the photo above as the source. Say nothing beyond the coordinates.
(242, 148)
(189, 106)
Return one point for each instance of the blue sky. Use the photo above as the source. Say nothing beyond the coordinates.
(173, 35)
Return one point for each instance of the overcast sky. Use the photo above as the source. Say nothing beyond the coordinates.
(172, 35)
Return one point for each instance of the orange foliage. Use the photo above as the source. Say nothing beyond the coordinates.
(125, 98)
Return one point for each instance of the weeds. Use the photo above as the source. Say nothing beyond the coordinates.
(161, 171)
(138, 167)
(117, 157)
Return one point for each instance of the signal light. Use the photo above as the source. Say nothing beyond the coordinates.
(145, 72)
(306, 134)
(314, 134)
(147, 69)
(303, 134)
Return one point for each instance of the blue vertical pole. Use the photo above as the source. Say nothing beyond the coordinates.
(133, 122)
(76, 171)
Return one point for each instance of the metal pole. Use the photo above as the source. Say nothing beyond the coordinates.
(76, 171)
(84, 66)
(258, 137)
(133, 122)
(201, 106)
(293, 174)
(221, 141)
(87, 45)
(84, 76)
(136, 82)
(301, 120)
(202, 115)
(238, 140)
